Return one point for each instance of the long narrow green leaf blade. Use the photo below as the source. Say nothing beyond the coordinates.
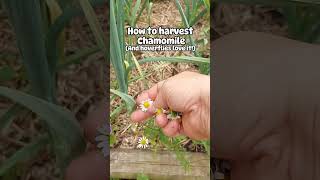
(25, 17)
(115, 51)
(65, 132)
(95, 27)
(78, 57)
(186, 23)
(134, 12)
(130, 103)
(181, 59)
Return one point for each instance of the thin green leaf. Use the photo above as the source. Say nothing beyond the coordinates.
(198, 17)
(55, 12)
(149, 12)
(78, 57)
(134, 12)
(142, 176)
(207, 4)
(116, 112)
(24, 154)
(183, 16)
(95, 27)
(145, 4)
(130, 103)
(180, 59)
(186, 23)
(116, 55)
(31, 44)
(120, 25)
(65, 132)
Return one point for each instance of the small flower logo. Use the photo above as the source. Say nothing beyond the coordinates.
(143, 142)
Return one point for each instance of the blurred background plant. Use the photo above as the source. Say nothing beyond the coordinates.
(302, 16)
(39, 28)
(130, 70)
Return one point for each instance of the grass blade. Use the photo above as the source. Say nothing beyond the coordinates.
(78, 57)
(186, 23)
(180, 59)
(95, 27)
(115, 54)
(198, 17)
(146, 4)
(30, 40)
(120, 25)
(207, 4)
(64, 131)
(134, 12)
(130, 103)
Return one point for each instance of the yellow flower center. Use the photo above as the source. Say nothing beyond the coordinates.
(143, 142)
(159, 111)
(146, 104)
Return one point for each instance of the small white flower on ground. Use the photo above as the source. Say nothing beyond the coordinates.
(143, 142)
(145, 105)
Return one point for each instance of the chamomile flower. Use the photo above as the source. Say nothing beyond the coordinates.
(143, 142)
(160, 110)
(145, 105)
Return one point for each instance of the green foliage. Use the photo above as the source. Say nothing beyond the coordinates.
(128, 12)
(303, 22)
(113, 139)
(31, 44)
(117, 46)
(156, 137)
(190, 17)
(64, 131)
(38, 26)
(142, 176)
(128, 99)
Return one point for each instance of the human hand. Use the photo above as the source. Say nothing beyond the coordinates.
(92, 164)
(188, 93)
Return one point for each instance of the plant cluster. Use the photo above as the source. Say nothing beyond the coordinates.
(39, 30)
(125, 13)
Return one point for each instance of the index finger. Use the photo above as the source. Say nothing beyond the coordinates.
(139, 115)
